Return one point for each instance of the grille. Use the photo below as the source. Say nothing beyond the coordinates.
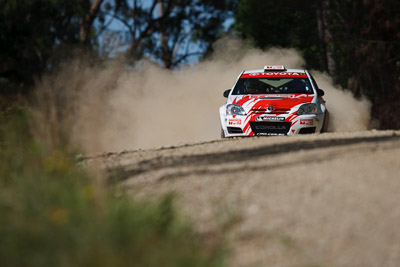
(234, 130)
(276, 111)
(270, 127)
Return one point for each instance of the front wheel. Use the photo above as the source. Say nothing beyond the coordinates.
(325, 125)
(222, 133)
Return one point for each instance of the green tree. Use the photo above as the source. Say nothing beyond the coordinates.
(36, 35)
(357, 42)
(366, 48)
(165, 30)
(283, 23)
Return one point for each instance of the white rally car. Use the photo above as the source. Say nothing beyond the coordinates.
(273, 101)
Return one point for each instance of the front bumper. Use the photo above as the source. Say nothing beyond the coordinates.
(272, 125)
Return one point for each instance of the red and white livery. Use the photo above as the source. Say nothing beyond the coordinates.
(273, 101)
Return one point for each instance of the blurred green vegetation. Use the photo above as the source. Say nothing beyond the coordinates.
(54, 213)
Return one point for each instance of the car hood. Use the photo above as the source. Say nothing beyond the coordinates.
(278, 101)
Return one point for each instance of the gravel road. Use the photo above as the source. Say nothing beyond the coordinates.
(314, 200)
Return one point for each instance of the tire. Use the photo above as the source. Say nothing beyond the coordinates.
(222, 133)
(325, 126)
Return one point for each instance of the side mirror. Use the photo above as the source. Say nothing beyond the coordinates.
(320, 92)
(226, 93)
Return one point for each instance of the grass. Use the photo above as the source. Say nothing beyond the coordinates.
(54, 213)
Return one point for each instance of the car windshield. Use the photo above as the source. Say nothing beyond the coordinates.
(274, 85)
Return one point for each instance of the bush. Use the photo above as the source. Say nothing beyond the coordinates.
(52, 213)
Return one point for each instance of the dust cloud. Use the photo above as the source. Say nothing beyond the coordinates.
(111, 108)
(347, 114)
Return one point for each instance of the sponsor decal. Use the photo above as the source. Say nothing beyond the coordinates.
(307, 122)
(276, 67)
(270, 127)
(234, 122)
(278, 74)
(266, 118)
(269, 134)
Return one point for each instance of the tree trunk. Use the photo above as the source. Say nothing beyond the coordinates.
(86, 21)
(166, 55)
(325, 37)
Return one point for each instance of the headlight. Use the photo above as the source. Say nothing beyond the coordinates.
(306, 109)
(233, 109)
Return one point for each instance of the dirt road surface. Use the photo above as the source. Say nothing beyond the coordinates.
(316, 200)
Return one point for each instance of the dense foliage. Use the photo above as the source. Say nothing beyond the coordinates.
(357, 42)
(166, 30)
(284, 23)
(366, 48)
(35, 36)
